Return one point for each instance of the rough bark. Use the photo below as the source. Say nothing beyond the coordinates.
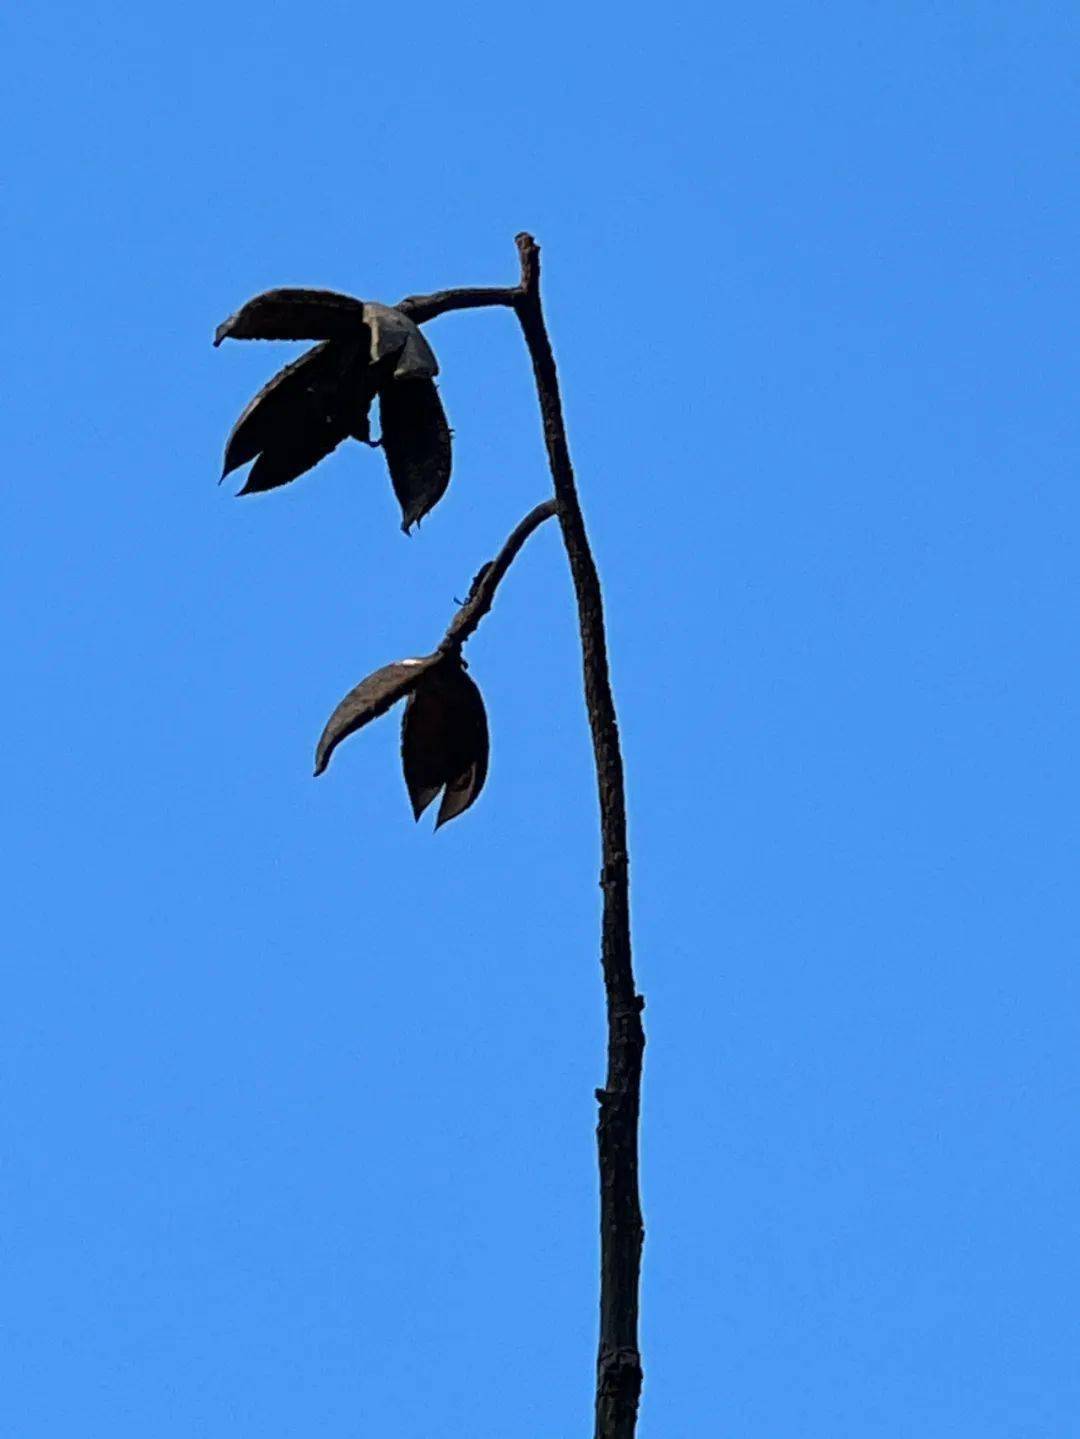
(619, 1373)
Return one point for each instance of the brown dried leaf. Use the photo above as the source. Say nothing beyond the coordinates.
(371, 697)
(295, 315)
(304, 413)
(416, 438)
(444, 742)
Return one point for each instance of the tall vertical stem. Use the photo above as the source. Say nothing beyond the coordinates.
(618, 1366)
(618, 1370)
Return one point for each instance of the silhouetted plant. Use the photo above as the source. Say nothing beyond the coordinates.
(325, 396)
(304, 413)
(444, 734)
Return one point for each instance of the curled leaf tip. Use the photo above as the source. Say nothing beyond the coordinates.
(294, 314)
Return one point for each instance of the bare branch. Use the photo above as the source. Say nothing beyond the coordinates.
(420, 308)
(482, 593)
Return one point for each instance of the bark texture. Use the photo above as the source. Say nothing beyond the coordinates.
(618, 1370)
(618, 1365)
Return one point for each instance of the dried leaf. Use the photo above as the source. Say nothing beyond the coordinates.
(393, 333)
(304, 413)
(444, 742)
(371, 697)
(295, 315)
(416, 439)
(268, 417)
(294, 456)
(461, 792)
(313, 404)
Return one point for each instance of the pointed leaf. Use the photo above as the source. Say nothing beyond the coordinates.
(295, 315)
(416, 439)
(393, 333)
(304, 412)
(461, 793)
(268, 417)
(444, 742)
(295, 456)
(371, 697)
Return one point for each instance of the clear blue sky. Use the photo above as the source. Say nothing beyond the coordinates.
(297, 1096)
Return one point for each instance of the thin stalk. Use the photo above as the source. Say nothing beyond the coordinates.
(486, 581)
(618, 1370)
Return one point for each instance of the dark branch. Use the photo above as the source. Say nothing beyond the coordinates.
(420, 308)
(618, 1377)
(482, 593)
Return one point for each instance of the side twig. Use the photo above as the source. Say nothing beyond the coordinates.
(619, 1374)
(426, 307)
(482, 594)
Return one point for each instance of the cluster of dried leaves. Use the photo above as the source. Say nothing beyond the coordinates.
(364, 350)
(444, 733)
(367, 350)
(325, 397)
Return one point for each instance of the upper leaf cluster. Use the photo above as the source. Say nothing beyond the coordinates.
(308, 408)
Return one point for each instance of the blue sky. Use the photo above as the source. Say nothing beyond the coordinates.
(297, 1096)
